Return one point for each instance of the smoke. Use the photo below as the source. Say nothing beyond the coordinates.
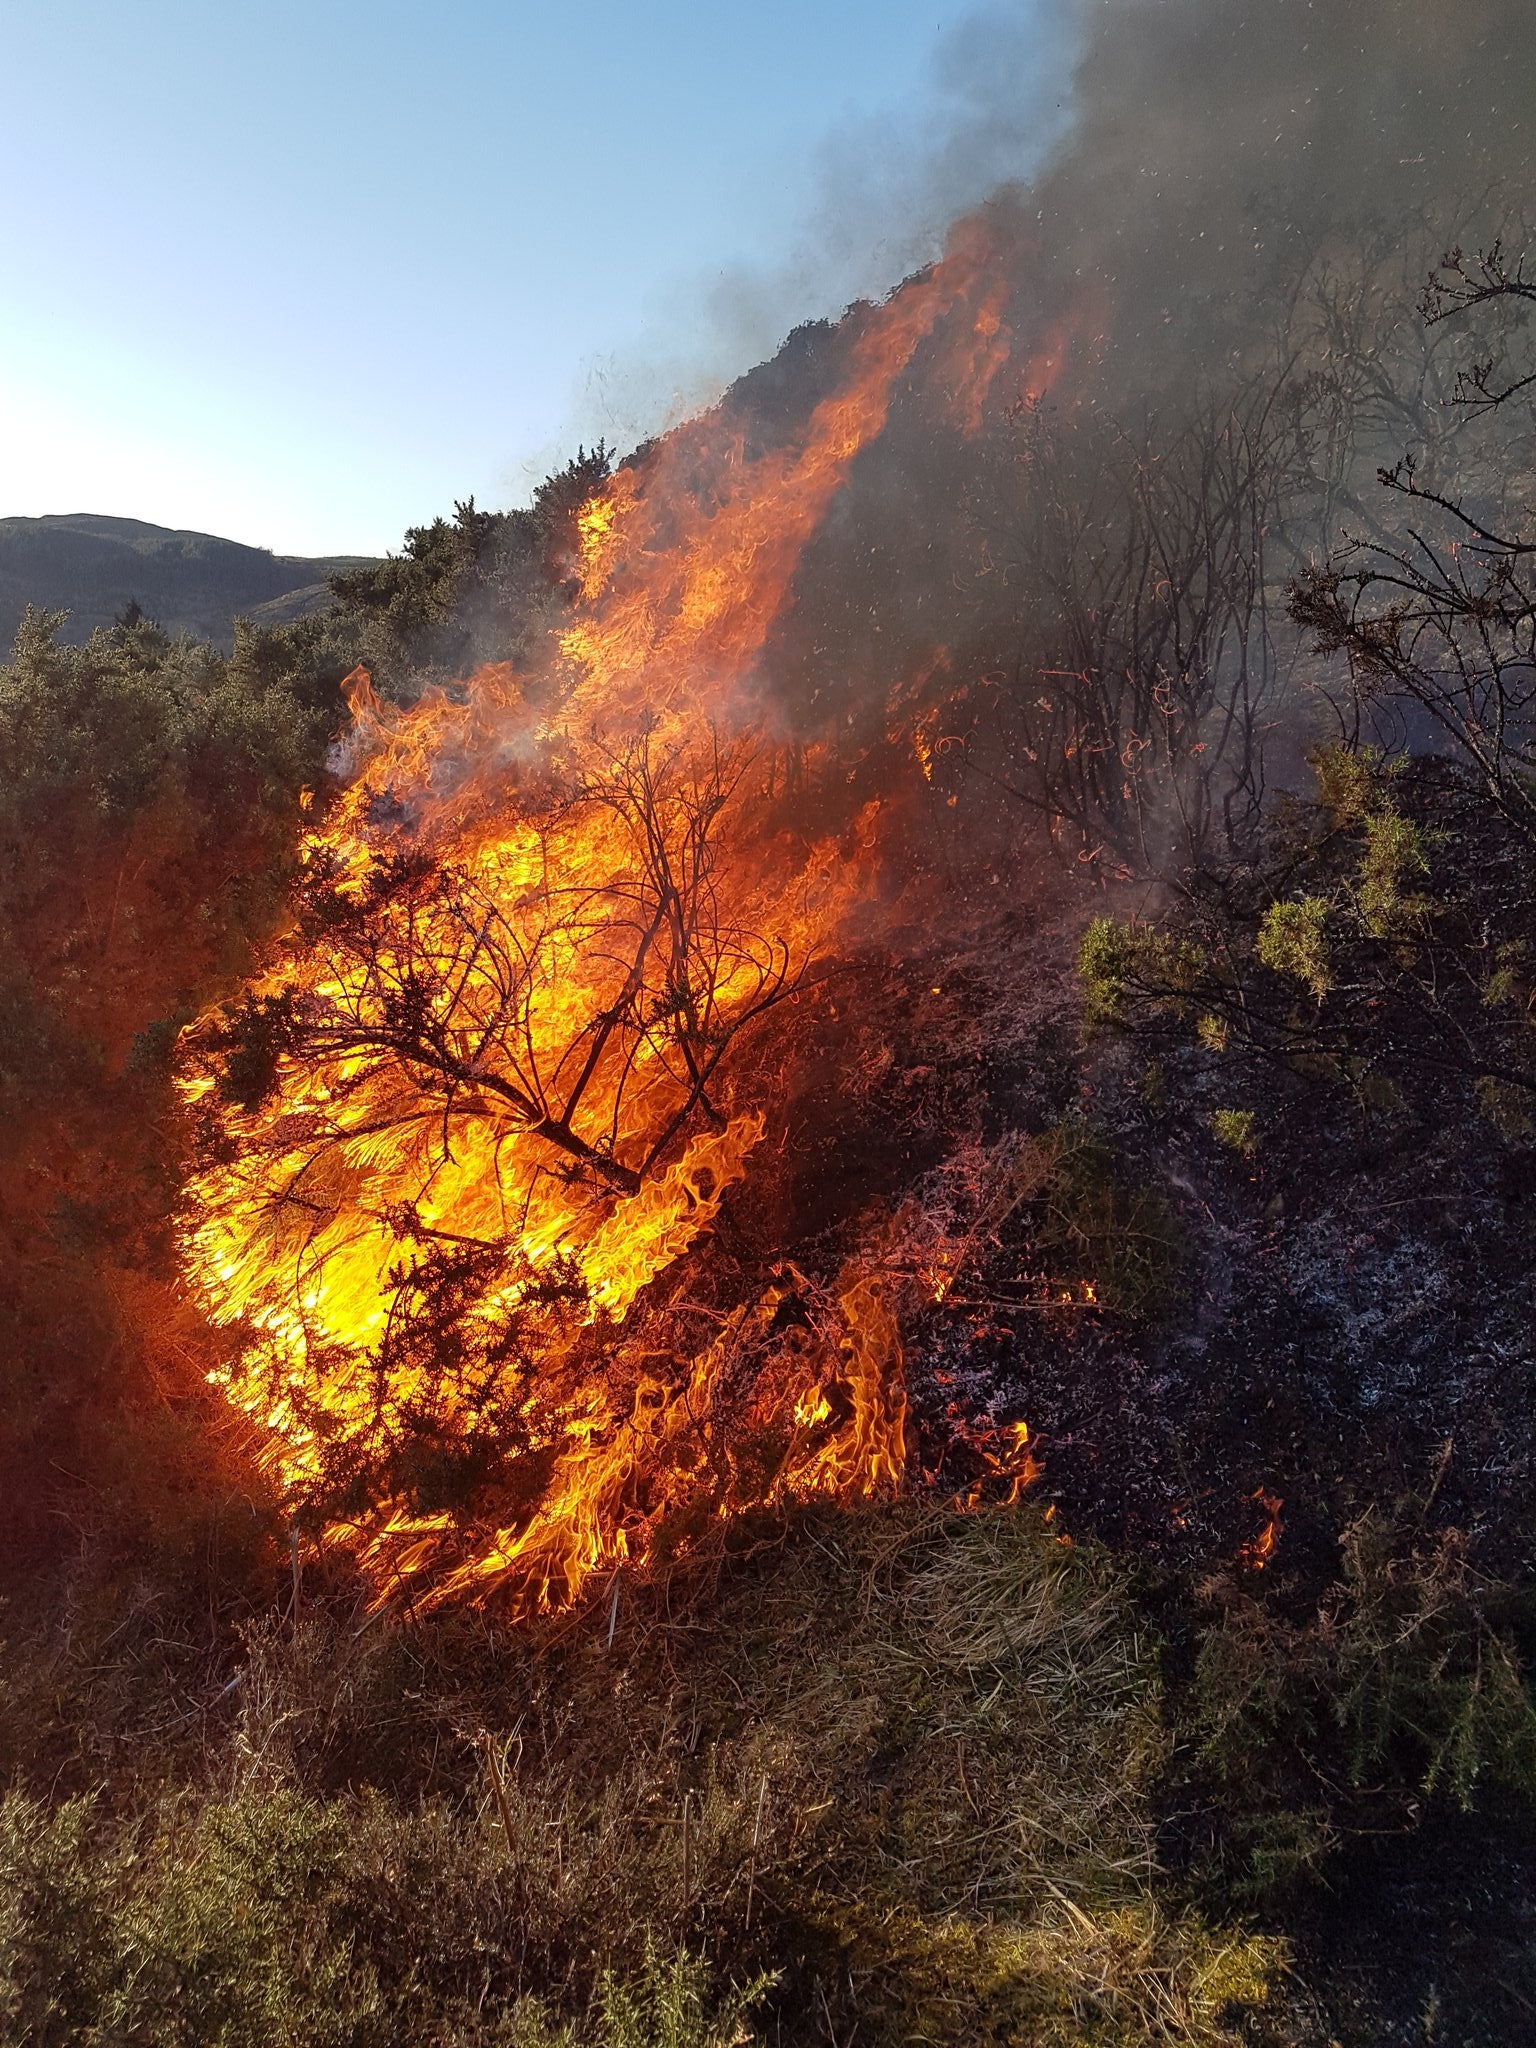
(1219, 144)
(888, 187)
(1190, 155)
(1159, 190)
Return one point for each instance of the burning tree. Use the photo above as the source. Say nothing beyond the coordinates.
(575, 1011)
(471, 1110)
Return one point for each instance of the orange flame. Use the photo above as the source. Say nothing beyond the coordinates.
(556, 897)
(1258, 1550)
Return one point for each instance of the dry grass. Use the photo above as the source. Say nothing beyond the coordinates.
(902, 1765)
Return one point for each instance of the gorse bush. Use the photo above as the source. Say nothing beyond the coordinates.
(273, 1917)
(1092, 1224)
(1370, 949)
(151, 793)
(1408, 1690)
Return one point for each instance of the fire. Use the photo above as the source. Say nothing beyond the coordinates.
(984, 354)
(597, 529)
(1006, 1454)
(496, 1086)
(1257, 1552)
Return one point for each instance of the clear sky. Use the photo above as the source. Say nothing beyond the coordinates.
(305, 274)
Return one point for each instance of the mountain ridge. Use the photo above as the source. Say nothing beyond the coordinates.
(92, 565)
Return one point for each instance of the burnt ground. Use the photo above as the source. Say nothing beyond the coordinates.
(1427, 1941)
(1342, 1320)
(1345, 1318)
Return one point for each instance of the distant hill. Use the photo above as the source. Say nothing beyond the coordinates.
(92, 566)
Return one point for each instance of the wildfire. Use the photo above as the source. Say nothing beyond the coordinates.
(493, 1084)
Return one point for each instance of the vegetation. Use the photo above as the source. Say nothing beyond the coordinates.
(898, 1770)
(1405, 1686)
(150, 797)
(1066, 1773)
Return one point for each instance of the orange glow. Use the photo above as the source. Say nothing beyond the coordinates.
(984, 353)
(1257, 1552)
(553, 903)
(1005, 1453)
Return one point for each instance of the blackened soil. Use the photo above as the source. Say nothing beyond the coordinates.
(1348, 1316)
(1422, 1941)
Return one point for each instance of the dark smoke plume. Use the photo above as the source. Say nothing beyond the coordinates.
(1191, 155)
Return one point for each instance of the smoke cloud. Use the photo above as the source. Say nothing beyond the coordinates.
(1217, 144)
(1189, 155)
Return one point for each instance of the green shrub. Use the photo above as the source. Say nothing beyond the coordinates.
(1430, 1687)
(1293, 940)
(1348, 783)
(1234, 1128)
(1114, 959)
(56, 1913)
(1406, 1689)
(1394, 850)
(1095, 1228)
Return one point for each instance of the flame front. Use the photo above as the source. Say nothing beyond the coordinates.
(499, 1078)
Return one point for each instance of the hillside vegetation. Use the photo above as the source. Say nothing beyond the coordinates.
(1221, 1728)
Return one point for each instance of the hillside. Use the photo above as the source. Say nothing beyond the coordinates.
(766, 1259)
(92, 566)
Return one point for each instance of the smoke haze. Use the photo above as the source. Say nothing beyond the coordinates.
(1188, 155)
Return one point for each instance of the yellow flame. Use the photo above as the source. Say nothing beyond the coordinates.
(514, 785)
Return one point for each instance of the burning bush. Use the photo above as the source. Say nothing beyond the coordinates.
(498, 1079)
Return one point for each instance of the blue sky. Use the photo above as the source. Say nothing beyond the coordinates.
(304, 275)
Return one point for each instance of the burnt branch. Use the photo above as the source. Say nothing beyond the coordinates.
(1135, 698)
